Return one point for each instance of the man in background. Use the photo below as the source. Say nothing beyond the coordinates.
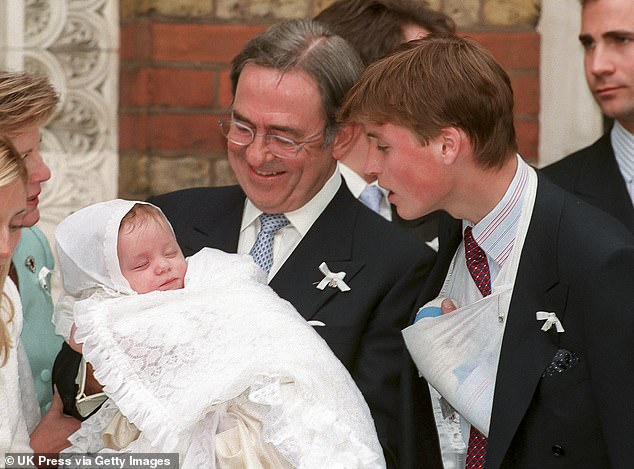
(375, 28)
(603, 173)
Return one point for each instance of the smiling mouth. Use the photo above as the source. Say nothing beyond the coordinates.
(260, 172)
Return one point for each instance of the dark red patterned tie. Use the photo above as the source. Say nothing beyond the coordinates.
(479, 270)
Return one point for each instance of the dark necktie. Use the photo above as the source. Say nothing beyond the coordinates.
(479, 270)
(262, 250)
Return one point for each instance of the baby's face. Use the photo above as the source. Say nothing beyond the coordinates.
(150, 259)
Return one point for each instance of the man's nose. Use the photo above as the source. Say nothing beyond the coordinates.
(600, 61)
(258, 152)
(372, 165)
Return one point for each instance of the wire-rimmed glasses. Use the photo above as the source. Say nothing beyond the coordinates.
(281, 147)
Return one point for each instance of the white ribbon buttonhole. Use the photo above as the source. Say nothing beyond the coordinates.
(334, 280)
(551, 319)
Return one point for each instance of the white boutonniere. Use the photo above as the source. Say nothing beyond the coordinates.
(333, 280)
(551, 319)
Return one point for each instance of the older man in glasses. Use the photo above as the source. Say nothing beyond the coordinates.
(349, 272)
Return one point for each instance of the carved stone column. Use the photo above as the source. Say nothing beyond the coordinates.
(75, 43)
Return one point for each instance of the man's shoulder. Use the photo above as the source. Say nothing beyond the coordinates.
(195, 194)
(581, 221)
(198, 201)
(569, 167)
(381, 235)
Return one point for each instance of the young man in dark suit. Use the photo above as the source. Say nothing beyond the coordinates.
(343, 267)
(602, 174)
(535, 368)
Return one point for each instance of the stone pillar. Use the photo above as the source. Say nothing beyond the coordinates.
(75, 43)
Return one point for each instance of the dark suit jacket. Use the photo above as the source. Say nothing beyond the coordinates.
(424, 228)
(593, 175)
(384, 266)
(579, 263)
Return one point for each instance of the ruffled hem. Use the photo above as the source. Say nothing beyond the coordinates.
(123, 388)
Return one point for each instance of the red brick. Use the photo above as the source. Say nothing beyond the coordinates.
(182, 87)
(225, 95)
(513, 49)
(526, 93)
(132, 132)
(134, 87)
(528, 138)
(201, 42)
(184, 132)
(135, 40)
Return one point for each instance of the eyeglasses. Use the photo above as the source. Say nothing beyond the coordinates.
(281, 147)
(86, 405)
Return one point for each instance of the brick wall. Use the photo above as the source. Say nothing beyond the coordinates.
(174, 84)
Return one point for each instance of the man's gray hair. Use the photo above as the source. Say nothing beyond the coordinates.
(310, 47)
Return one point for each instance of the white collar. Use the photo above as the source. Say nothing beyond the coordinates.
(495, 233)
(623, 144)
(304, 217)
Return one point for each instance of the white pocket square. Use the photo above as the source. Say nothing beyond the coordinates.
(316, 323)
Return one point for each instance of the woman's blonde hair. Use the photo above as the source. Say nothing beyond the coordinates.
(11, 169)
(25, 100)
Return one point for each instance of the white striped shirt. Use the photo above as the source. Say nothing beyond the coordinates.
(623, 145)
(496, 232)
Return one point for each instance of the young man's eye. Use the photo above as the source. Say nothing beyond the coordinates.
(623, 39)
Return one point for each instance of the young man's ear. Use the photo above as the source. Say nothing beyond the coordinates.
(451, 142)
(346, 138)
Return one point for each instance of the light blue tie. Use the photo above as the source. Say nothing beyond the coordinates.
(371, 197)
(262, 250)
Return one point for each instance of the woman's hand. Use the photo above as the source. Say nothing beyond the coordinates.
(51, 435)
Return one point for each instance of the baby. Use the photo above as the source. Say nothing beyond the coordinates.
(198, 356)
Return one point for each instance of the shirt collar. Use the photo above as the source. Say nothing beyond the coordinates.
(304, 217)
(496, 232)
(623, 145)
(355, 183)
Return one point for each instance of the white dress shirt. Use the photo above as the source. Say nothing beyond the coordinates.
(356, 184)
(496, 234)
(288, 237)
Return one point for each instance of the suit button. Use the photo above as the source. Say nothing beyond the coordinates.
(558, 450)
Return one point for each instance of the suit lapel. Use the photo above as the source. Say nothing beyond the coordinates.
(221, 232)
(526, 349)
(328, 240)
(601, 182)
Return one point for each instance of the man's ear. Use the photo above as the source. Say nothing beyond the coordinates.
(451, 142)
(346, 139)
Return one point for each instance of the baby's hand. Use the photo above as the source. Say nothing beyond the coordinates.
(74, 345)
